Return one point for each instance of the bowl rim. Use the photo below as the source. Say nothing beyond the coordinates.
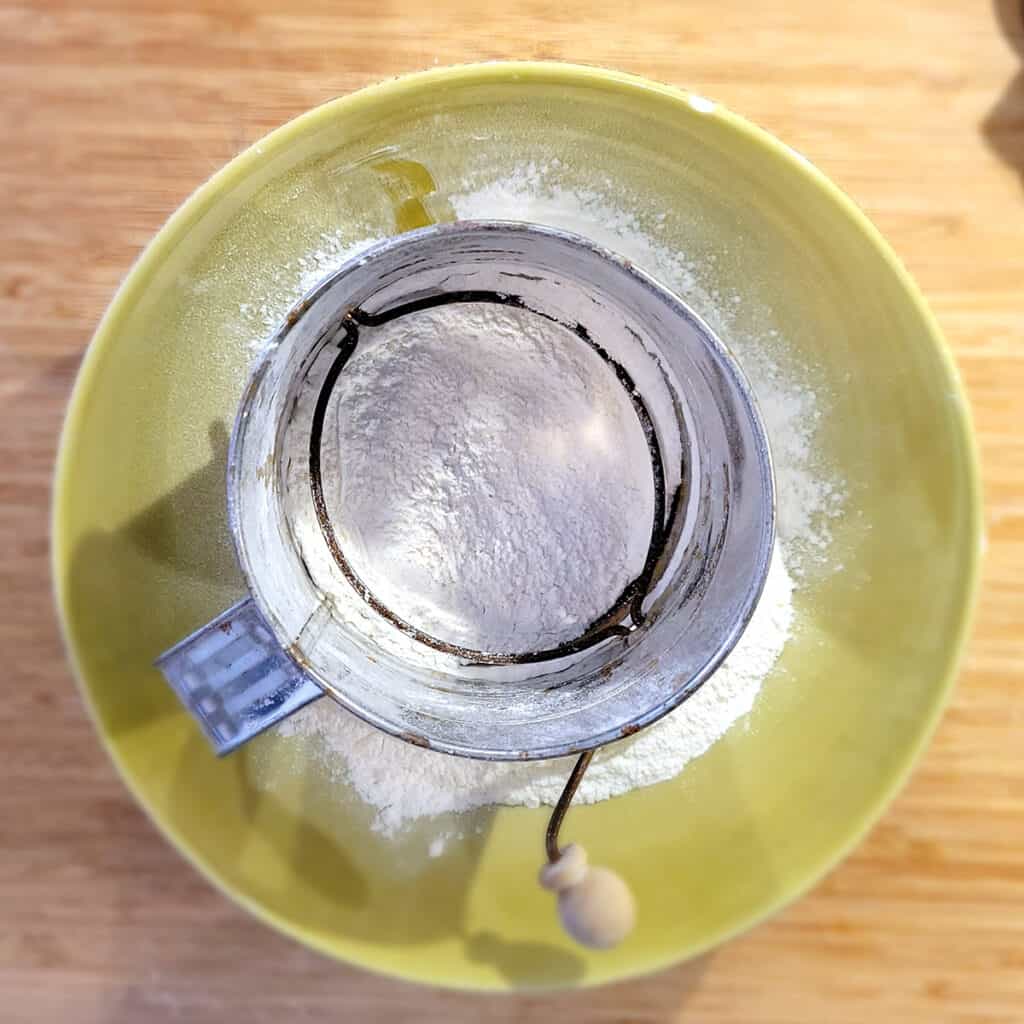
(508, 73)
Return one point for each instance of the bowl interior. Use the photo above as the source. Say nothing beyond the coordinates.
(142, 552)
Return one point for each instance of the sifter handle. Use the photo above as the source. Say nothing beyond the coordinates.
(595, 905)
(234, 678)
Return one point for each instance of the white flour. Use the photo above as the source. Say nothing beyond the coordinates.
(519, 493)
(403, 783)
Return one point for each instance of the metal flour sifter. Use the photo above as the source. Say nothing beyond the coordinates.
(311, 626)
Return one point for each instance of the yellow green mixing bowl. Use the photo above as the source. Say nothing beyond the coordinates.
(142, 554)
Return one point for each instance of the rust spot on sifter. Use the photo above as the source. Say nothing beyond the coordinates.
(415, 739)
(296, 312)
(295, 652)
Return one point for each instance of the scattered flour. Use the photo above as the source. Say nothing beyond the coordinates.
(437, 844)
(402, 782)
(291, 282)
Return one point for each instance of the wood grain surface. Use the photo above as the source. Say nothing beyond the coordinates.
(112, 111)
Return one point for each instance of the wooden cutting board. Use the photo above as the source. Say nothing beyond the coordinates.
(114, 110)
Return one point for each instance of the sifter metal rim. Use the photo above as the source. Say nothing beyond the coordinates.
(725, 361)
